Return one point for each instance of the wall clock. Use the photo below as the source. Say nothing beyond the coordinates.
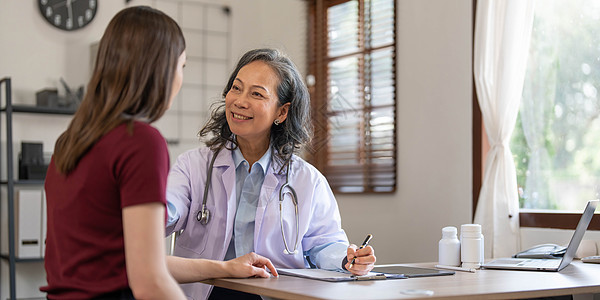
(68, 15)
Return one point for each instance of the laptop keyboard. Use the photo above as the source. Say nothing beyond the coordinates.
(540, 263)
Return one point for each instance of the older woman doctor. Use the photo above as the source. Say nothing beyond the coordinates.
(237, 195)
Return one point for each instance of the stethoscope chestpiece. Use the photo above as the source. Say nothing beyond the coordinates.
(203, 216)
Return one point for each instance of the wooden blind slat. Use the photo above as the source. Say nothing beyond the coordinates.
(352, 55)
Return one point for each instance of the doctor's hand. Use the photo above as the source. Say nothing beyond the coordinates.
(250, 265)
(364, 260)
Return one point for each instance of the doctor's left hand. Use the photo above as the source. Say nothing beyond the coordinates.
(250, 265)
(364, 262)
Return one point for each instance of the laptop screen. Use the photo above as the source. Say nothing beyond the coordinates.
(582, 226)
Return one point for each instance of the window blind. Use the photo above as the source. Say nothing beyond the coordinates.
(352, 51)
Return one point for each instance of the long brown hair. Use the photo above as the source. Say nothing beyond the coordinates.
(132, 79)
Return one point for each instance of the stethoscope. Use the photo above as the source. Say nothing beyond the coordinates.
(203, 215)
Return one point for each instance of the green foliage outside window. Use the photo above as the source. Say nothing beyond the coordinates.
(556, 141)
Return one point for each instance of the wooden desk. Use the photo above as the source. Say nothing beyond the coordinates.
(577, 278)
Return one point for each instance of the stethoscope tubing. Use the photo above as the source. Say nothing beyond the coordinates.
(203, 216)
(295, 202)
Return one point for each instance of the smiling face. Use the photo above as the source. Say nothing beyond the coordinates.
(252, 104)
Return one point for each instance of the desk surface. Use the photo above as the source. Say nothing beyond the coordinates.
(577, 278)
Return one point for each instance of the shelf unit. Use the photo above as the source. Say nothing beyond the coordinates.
(9, 109)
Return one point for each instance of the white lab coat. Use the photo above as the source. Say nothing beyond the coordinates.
(319, 217)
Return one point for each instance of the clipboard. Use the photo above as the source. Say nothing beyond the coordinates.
(409, 271)
(337, 276)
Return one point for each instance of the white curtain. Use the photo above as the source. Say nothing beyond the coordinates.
(502, 35)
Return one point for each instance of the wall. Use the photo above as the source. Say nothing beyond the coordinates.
(35, 56)
(434, 86)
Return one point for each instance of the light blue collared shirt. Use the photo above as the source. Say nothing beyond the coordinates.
(248, 185)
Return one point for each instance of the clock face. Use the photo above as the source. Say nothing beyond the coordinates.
(68, 14)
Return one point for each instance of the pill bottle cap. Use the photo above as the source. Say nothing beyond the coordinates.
(470, 231)
(449, 232)
(470, 228)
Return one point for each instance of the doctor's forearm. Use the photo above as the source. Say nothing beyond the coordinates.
(329, 256)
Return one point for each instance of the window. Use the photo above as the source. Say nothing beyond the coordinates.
(352, 50)
(556, 139)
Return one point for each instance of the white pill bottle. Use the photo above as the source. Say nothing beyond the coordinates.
(471, 246)
(449, 247)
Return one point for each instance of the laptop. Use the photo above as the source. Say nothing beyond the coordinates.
(550, 264)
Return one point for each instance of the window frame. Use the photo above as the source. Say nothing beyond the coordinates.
(555, 220)
(317, 66)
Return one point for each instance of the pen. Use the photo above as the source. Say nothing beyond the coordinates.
(370, 277)
(364, 244)
(455, 268)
